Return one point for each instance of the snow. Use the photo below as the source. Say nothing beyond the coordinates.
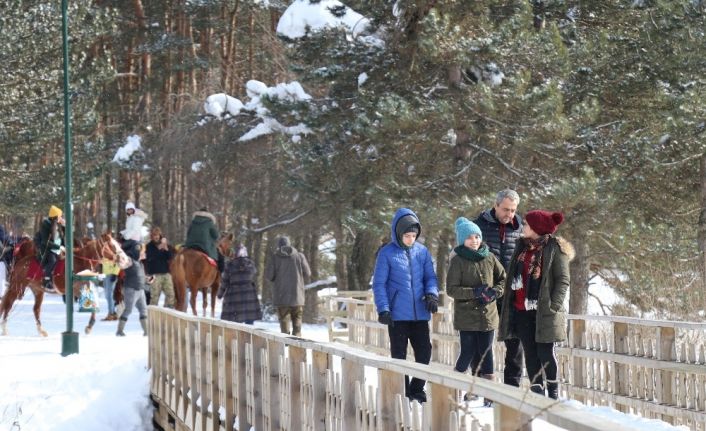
(106, 385)
(362, 78)
(224, 107)
(196, 166)
(103, 387)
(131, 146)
(302, 18)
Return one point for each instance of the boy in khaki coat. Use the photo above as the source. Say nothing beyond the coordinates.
(474, 280)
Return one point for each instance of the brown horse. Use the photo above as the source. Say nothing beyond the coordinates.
(87, 256)
(191, 268)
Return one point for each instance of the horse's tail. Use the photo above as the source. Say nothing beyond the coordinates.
(176, 269)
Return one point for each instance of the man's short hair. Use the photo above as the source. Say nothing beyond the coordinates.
(507, 194)
(156, 231)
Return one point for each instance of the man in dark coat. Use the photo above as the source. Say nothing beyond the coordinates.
(238, 289)
(50, 244)
(203, 235)
(158, 255)
(501, 228)
(287, 269)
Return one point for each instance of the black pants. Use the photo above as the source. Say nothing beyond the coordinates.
(539, 357)
(416, 332)
(48, 264)
(514, 359)
(476, 351)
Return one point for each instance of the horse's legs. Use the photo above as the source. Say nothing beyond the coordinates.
(6, 305)
(38, 298)
(204, 294)
(91, 322)
(214, 292)
(192, 301)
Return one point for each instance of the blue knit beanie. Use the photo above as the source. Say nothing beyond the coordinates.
(466, 228)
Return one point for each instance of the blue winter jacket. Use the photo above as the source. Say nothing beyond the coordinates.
(403, 276)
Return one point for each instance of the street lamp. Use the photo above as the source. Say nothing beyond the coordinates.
(69, 339)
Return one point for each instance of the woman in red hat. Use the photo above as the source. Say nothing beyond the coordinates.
(533, 304)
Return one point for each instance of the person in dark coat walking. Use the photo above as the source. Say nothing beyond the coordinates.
(406, 294)
(287, 268)
(133, 288)
(238, 289)
(203, 235)
(501, 228)
(533, 306)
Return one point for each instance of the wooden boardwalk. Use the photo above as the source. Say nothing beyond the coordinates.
(210, 375)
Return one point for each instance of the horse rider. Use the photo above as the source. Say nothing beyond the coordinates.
(203, 235)
(133, 224)
(50, 244)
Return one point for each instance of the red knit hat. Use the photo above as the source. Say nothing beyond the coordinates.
(544, 222)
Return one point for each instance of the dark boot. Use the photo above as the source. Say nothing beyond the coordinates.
(553, 390)
(48, 286)
(143, 323)
(121, 327)
(221, 262)
(487, 402)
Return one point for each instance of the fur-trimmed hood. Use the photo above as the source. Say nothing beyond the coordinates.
(205, 214)
(566, 247)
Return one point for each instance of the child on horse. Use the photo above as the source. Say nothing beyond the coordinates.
(203, 235)
(133, 224)
(50, 244)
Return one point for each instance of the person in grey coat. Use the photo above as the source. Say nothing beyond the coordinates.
(287, 270)
(133, 288)
(238, 290)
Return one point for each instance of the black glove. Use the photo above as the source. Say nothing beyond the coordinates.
(432, 302)
(385, 318)
(487, 296)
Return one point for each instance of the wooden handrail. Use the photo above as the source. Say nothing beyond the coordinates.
(207, 372)
(648, 367)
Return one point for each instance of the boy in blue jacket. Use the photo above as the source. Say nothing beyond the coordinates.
(406, 294)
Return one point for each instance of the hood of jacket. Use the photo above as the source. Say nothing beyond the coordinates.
(203, 217)
(400, 213)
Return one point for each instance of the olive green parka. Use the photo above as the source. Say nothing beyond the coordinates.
(462, 276)
(551, 313)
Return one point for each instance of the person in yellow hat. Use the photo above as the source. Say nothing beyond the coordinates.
(50, 244)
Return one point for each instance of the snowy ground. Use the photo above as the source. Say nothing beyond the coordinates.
(106, 386)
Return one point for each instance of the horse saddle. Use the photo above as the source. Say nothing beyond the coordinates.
(208, 258)
(35, 269)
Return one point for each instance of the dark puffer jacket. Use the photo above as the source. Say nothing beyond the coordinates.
(202, 234)
(490, 227)
(238, 291)
(135, 273)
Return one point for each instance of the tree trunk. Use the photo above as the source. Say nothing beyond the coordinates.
(442, 257)
(702, 232)
(109, 203)
(362, 260)
(313, 253)
(580, 273)
(339, 234)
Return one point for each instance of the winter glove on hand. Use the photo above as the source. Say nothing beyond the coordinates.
(478, 291)
(487, 295)
(385, 318)
(432, 302)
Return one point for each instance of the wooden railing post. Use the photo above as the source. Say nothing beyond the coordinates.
(350, 373)
(260, 397)
(443, 401)
(275, 349)
(320, 363)
(229, 342)
(244, 369)
(577, 338)
(297, 356)
(509, 419)
(389, 385)
(620, 371)
(666, 351)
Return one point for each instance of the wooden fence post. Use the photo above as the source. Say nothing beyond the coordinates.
(389, 385)
(577, 338)
(320, 363)
(350, 373)
(666, 351)
(620, 371)
(297, 356)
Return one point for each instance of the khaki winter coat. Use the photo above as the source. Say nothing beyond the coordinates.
(551, 314)
(462, 276)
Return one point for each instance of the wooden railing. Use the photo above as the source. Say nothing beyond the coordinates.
(207, 374)
(655, 369)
